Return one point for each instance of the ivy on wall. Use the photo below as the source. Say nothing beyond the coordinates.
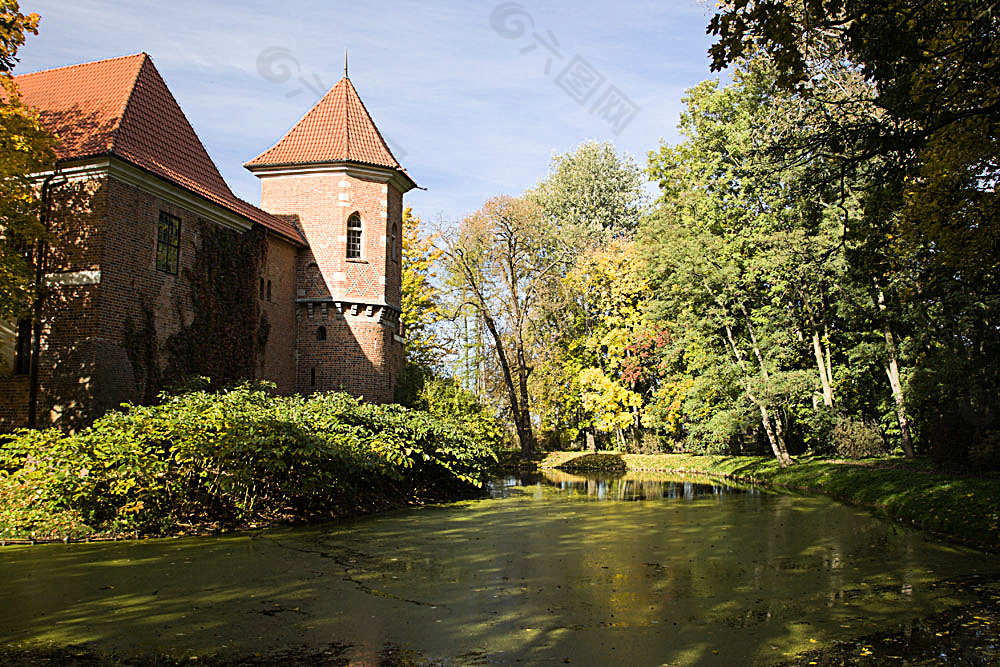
(140, 346)
(228, 333)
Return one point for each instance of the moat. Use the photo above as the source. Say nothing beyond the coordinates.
(639, 569)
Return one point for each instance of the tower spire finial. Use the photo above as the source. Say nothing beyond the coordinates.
(345, 63)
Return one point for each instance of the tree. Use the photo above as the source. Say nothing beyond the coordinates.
(25, 149)
(929, 112)
(927, 140)
(607, 292)
(590, 191)
(594, 195)
(744, 266)
(503, 255)
(420, 299)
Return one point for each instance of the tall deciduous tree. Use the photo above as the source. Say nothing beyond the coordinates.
(743, 263)
(608, 287)
(503, 255)
(25, 149)
(593, 194)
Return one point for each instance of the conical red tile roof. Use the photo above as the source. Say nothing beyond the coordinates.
(123, 107)
(337, 129)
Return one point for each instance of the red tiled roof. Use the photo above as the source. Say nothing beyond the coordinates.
(337, 129)
(122, 107)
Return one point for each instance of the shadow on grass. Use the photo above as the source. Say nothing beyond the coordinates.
(613, 463)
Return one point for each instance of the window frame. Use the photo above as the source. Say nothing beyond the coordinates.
(355, 251)
(168, 245)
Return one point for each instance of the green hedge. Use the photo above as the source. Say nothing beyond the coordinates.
(236, 458)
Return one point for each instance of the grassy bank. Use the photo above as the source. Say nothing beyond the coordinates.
(964, 508)
(201, 462)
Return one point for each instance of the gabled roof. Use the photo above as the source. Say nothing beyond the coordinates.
(337, 129)
(122, 107)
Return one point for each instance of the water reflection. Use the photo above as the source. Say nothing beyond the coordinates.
(552, 569)
(625, 487)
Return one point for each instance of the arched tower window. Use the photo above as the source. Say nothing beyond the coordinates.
(321, 333)
(268, 290)
(261, 289)
(354, 236)
(392, 245)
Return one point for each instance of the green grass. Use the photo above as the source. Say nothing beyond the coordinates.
(964, 508)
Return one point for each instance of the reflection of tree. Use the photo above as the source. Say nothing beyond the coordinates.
(535, 580)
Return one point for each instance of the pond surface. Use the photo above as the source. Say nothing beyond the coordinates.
(635, 570)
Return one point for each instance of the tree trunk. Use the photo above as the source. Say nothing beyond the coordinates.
(829, 362)
(637, 432)
(777, 442)
(525, 436)
(824, 378)
(892, 370)
(823, 363)
(528, 444)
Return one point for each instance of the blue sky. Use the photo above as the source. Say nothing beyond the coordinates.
(469, 112)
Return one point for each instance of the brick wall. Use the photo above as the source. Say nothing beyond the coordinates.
(70, 316)
(13, 402)
(132, 287)
(278, 358)
(352, 358)
(106, 225)
(133, 284)
(393, 273)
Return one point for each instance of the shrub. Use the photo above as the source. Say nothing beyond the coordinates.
(984, 450)
(234, 458)
(653, 443)
(855, 439)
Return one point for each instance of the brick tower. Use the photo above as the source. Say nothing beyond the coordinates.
(334, 175)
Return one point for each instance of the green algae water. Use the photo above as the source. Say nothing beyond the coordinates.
(552, 569)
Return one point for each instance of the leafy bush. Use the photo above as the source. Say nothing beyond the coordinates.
(447, 399)
(721, 432)
(984, 451)
(815, 427)
(855, 439)
(235, 458)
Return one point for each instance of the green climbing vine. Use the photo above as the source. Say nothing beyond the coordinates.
(228, 333)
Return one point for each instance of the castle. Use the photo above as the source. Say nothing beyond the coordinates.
(154, 270)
